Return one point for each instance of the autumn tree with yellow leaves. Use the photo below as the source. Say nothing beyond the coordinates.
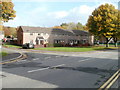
(6, 11)
(104, 22)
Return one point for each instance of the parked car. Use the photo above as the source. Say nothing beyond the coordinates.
(28, 46)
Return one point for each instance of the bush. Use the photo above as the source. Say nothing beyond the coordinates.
(49, 45)
(58, 45)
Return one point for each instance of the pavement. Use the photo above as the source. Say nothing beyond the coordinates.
(60, 70)
(12, 55)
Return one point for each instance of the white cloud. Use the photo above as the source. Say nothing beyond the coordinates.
(41, 16)
(59, 14)
(83, 9)
(75, 14)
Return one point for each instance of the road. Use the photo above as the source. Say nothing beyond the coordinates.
(83, 70)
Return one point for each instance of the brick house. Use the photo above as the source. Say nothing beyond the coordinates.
(40, 36)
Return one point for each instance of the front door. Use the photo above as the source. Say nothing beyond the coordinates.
(41, 42)
(37, 42)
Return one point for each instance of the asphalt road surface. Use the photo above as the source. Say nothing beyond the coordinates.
(88, 70)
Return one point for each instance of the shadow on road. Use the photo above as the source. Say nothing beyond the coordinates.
(92, 70)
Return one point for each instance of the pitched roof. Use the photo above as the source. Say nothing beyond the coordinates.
(52, 30)
(35, 29)
(80, 32)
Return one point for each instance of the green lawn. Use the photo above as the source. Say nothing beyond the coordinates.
(9, 45)
(74, 49)
(3, 53)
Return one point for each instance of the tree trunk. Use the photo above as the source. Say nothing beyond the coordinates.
(115, 44)
(107, 44)
(115, 41)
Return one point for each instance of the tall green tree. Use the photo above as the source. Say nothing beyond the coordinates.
(103, 22)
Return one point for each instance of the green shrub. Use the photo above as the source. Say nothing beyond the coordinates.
(58, 45)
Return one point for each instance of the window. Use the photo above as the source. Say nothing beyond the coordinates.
(84, 41)
(73, 41)
(59, 41)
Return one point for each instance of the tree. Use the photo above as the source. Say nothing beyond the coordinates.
(7, 11)
(72, 26)
(58, 27)
(10, 31)
(116, 35)
(64, 25)
(102, 22)
(79, 26)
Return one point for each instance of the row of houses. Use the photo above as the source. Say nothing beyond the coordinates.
(40, 36)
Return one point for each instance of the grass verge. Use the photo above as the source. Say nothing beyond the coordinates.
(76, 49)
(9, 46)
(3, 53)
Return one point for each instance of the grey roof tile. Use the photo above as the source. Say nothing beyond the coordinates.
(52, 30)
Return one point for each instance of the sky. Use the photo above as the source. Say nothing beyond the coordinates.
(49, 13)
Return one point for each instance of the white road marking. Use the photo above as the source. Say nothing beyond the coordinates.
(45, 68)
(22, 61)
(58, 56)
(38, 70)
(83, 60)
(58, 65)
(36, 59)
(47, 57)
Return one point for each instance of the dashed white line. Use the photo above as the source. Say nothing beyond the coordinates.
(38, 70)
(45, 68)
(36, 59)
(58, 56)
(22, 61)
(83, 60)
(59, 65)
